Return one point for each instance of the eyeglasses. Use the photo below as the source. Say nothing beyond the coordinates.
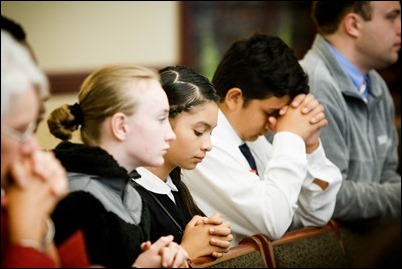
(21, 137)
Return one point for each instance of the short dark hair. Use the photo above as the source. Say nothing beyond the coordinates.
(18, 33)
(13, 28)
(327, 15)
(262, 66)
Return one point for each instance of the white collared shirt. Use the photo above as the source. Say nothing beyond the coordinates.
(265, 203)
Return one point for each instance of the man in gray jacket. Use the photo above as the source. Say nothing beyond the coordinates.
(354, 39)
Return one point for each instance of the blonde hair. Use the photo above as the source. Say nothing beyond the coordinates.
(18, 72)
(103, 93)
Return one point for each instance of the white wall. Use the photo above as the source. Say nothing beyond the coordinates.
(69, 36)
(82, 35)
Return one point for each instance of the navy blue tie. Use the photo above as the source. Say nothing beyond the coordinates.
(250, 159)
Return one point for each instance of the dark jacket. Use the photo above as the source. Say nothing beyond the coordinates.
(101, 203)
(161, 223)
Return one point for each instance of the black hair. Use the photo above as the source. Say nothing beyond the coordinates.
(13, 28)
(262, 66)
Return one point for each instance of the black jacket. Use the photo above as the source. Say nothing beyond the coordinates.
(101, 203)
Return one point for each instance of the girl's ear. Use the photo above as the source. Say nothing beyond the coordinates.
(119, 125)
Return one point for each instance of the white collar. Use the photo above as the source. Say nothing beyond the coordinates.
(154, 184)
(230, 132)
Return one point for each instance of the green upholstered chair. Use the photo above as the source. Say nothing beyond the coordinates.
(309, 247)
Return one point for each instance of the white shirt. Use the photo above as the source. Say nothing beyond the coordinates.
(265, 203)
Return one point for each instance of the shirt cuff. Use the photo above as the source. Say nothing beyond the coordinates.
(285, 142)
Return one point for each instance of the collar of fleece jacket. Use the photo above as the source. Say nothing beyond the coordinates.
(81, 158)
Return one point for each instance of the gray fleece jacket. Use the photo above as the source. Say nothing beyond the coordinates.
(361, 139)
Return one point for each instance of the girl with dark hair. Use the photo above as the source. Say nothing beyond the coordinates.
(193, 114)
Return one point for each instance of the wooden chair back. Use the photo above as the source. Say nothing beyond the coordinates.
(249, 253)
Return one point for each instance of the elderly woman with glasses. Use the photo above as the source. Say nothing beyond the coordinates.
(32, 181)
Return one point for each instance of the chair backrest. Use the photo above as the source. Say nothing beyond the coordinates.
(309, 247)
(249, 253)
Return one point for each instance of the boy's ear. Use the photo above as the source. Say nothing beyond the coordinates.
(234, 98)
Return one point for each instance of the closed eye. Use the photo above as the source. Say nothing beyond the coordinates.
(162, 120)
(274, 114)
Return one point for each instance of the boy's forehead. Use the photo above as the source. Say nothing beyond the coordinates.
(274, 102)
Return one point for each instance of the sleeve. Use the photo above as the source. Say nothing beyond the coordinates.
(252, 203)
(82, 211)
(25, 257)
(317, 200)
(16, 256)
(110, 240)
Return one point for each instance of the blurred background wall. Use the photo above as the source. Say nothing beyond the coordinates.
(73, 38)
(81, 35)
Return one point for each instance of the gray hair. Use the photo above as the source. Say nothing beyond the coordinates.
(18, 72)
